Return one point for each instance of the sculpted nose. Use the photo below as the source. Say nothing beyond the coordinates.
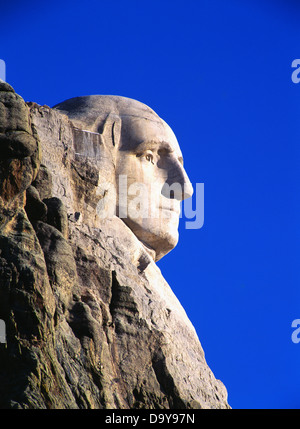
(177, 185)
(188, 188)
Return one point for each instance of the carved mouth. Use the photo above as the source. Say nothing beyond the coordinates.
(172, 208)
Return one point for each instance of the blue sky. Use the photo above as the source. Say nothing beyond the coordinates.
(220, 74)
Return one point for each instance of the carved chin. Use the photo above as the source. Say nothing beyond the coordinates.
(169, 241)
(160, 238)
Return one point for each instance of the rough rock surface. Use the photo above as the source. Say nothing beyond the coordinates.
(90, 320)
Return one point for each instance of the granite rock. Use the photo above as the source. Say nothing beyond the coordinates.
(91, 322)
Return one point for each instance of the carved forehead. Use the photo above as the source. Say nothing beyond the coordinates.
(140, 130)
(139, 122)
(88, 111)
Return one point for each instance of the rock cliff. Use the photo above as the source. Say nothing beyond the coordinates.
(90, 320)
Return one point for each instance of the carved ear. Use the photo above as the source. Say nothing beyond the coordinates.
(110, 129)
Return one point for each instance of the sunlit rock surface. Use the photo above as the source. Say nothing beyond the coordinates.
(90, 320)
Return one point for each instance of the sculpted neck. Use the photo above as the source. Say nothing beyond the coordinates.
(151, 252)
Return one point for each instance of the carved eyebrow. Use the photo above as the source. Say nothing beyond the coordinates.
(154, 145)
(162, 147)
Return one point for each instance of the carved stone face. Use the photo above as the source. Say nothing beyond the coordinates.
(149, 175)
(150, 159)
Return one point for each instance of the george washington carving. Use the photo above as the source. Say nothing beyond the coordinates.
(149, 176)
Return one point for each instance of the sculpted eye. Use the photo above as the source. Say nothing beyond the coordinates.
(146, 155)
(149, 157)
